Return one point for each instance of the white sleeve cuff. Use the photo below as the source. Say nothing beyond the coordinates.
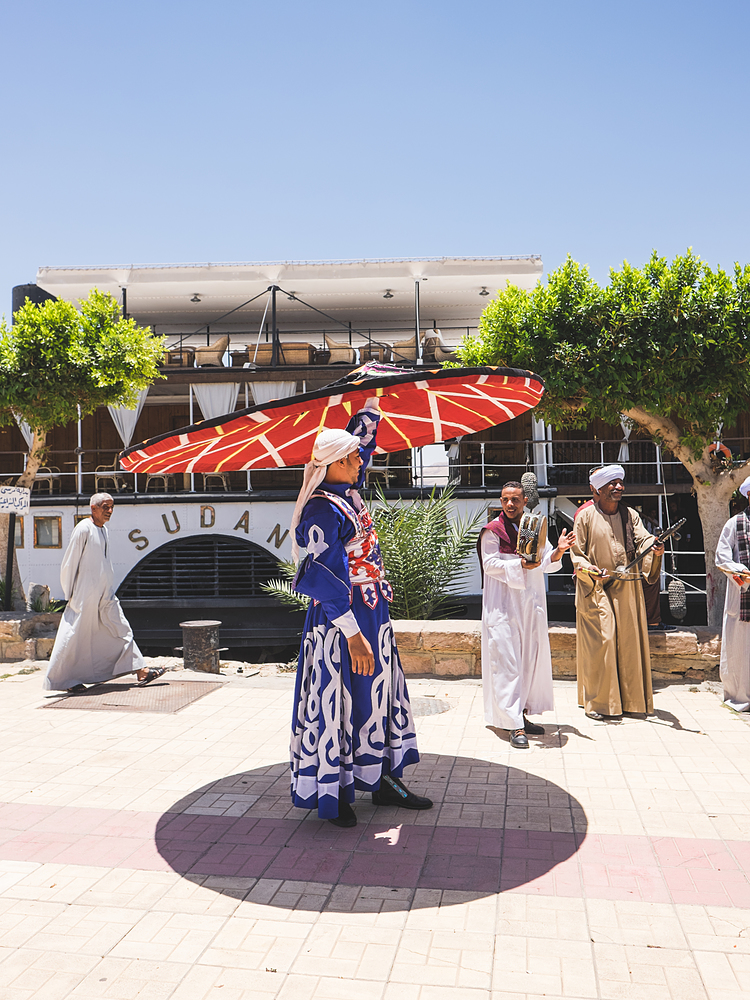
(347, 623)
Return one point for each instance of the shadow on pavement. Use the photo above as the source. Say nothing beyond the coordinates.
(493, 828)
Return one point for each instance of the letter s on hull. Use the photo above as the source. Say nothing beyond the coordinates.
(139, 540)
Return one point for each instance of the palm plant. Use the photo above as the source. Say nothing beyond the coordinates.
(282, 589)
(425, 551)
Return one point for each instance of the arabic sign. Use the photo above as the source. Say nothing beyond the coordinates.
(14, 499)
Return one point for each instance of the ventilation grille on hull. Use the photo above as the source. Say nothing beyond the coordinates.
(211, 566)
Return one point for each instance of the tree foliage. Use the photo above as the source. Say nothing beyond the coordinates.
(668, 345)
(673, 339)
(56, 358)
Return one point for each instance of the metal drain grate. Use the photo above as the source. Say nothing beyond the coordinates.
(429, 706)
(165, 696)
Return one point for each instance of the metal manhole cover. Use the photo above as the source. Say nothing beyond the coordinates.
(429, 706)
(163, 695)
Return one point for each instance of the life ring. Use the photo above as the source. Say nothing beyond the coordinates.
(720, 449)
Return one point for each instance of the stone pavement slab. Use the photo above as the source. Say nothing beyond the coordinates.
(156, 856)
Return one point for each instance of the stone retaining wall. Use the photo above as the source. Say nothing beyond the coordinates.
(27, 635)
(433, 649)
(454, 649)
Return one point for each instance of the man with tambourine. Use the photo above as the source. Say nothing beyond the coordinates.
(516, 661)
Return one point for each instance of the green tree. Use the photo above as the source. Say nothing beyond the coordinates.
(667, 344)
(56, 358)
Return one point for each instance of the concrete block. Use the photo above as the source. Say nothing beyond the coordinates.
(673, 643)
(673, 664)
(454, 666)
(408, 634)
(44, 648)
(10, 627)
(452, 635)
(39, 593)
(45, 623)
(14, 651)
(416, 663)
(562, 639)
(709, 643)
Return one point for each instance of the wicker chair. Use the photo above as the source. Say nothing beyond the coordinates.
(212, 354)
(47, 477)
(223, 478)
(165, 477)
(341, 354)
(107, 473)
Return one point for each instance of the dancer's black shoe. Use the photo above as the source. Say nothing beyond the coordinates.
(346, 817)
(393, 792)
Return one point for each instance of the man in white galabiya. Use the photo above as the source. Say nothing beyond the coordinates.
(733, 557)
(94, 642)
(352, 724)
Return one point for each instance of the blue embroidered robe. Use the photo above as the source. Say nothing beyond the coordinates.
(347, 729)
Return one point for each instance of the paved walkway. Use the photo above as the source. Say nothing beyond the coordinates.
(157, 856)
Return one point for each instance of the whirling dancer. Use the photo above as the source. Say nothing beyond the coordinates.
(733, 557)
(352, 725)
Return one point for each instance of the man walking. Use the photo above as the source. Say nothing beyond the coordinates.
(94, 642)
(516, 661)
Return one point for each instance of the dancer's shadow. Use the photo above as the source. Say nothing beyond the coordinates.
(492, 828)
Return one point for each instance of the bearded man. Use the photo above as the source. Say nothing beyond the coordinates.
(613, 658)
(352, 726)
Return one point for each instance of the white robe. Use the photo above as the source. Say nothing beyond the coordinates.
(734, 665)
(94, 641)
(516, 661)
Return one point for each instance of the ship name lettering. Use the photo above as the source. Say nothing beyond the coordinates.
(244, 523)
(276, 534)
(208, 516)
(138, 539)
(172, 531)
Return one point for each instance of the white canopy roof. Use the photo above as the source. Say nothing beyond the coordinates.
(162, 295)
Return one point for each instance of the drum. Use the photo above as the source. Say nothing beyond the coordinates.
(532, 536)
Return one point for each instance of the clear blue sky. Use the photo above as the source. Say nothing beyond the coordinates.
(161, 131)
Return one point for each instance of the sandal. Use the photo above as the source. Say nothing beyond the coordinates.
(152, 674)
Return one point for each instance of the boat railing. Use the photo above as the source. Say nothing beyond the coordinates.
(320, 346)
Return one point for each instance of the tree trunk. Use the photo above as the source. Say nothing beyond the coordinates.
(35, 459)
(713, 508)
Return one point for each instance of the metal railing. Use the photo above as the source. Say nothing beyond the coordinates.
(389, 345)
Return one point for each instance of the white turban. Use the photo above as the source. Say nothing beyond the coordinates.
(745, 488)
(603, 476)
(330, 446)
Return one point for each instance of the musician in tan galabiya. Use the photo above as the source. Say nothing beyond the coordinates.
(613, 659)
(516, 662)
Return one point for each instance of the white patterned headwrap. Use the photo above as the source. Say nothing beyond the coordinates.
(745, 488)
(330, 446)
(605, 475)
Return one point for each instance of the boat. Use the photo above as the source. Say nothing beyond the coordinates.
(194, 546)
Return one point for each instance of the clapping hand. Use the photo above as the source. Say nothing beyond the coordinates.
(566, 540)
